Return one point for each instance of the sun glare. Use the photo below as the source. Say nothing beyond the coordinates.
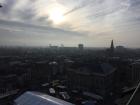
(56, 16)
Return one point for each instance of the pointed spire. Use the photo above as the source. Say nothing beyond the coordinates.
(112, 46)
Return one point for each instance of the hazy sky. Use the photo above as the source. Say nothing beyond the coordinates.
(69, 22)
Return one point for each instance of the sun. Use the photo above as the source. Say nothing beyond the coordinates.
(56, 16)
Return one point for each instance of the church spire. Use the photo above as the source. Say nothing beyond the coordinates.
(112, 46)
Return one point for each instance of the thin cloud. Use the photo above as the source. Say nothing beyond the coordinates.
(35, 28)
(83, 18)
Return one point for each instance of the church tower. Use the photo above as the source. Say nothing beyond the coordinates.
(112, 48)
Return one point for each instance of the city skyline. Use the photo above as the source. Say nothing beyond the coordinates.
(93, 23)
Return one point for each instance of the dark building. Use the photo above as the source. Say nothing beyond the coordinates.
(110, 51)
(95, 78)
(120, 49)
(80, 46)
(112, 46)
(134, 75)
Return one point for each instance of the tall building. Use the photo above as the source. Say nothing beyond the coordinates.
(110, 51)
(112, 47)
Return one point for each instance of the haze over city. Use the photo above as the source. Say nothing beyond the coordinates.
(70, 22)
(69, 52)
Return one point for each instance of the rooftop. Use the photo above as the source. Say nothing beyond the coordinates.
(36, 98)
(99, 68)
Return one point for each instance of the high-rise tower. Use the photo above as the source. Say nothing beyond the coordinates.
(112, 47)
